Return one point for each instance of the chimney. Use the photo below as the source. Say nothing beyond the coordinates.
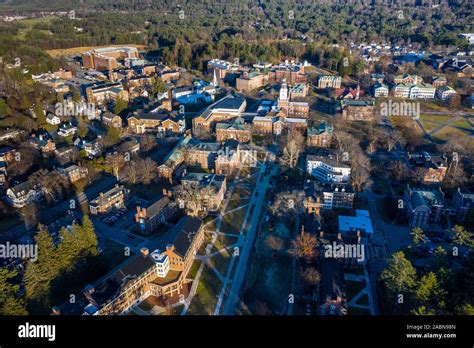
(321, 234)
(144, 251)
(339, 236)
(170, 247)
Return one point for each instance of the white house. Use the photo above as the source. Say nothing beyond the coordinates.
(380, 90)
(24, 194)
(327, 169)
(53, 119)
(67, 130)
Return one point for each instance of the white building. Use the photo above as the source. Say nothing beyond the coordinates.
(351, 225)
(53, 119)
(326, 169)
(67, 130)
(161, 262)
(445, 93)
(412, 91)
(380, 90)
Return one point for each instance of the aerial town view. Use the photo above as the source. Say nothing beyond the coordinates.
(236, 158)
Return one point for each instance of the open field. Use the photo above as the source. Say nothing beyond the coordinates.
(77, 50)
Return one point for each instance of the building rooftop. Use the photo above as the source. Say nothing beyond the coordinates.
(361, 222)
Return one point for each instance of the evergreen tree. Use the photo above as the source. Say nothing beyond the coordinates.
(10, 304)
(400, 275)
(39, 274)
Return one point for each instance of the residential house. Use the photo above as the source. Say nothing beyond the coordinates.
(53, 119)
(73, 172)
(24, 194)
(111, 120)
(43, 143)
(106, 201)
(67, 130)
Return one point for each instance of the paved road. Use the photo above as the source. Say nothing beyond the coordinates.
(257, 200)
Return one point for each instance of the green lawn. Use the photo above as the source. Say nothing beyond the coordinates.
(232, 223)
(208, 289)
(194, 269)
(448, 133)
(221, 261)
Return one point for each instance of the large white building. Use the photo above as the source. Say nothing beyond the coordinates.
(327, 169)
(414, 91)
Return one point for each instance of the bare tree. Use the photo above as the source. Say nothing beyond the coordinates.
(23, 160)
(132, 171)
(52, 183)
(418, 174)
(292, 145)
(148, 142)
(391, 138)
(399, 170)
(311, 276)
(115, 162)
(304, 246)
(274, 243)
(344, 141)
(288, 203)
(193, 197)
(360, 178)
(147, 167)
